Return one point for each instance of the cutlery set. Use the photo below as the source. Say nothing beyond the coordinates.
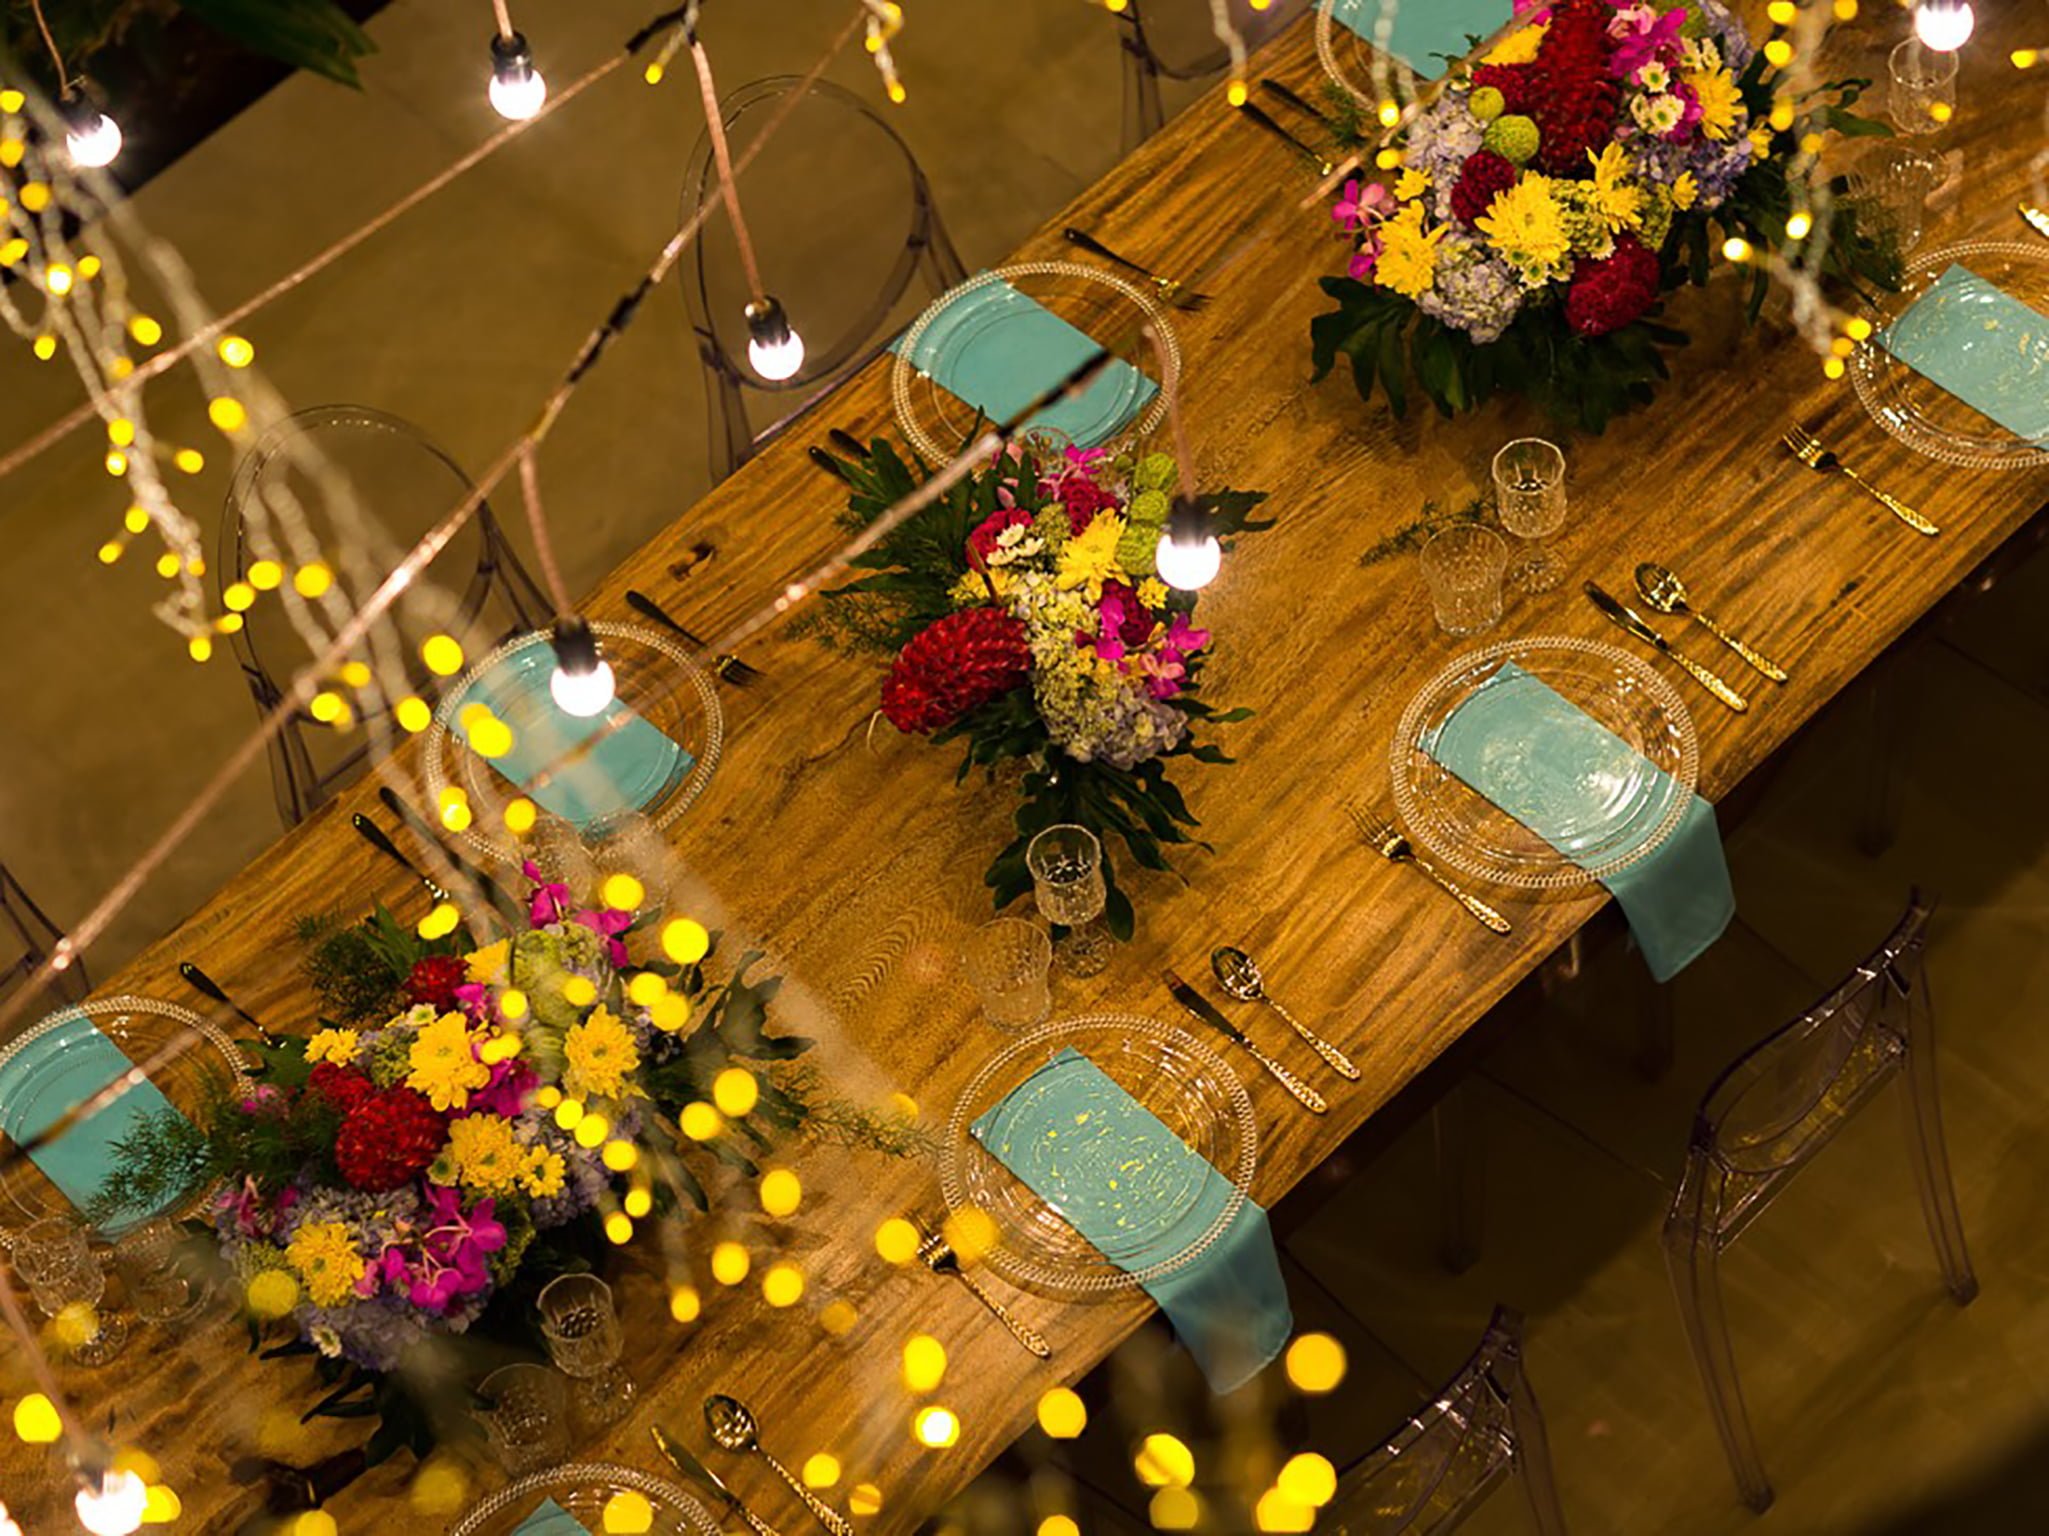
(1240, 977)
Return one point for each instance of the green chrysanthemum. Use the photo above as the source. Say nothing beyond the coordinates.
(1513, 137)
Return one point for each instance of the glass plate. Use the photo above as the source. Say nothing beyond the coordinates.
(1626, 812)
(584, 1489)
(1170, 1073)
(141, 1027)
(655, 678)
(1920, 412)
(1110, 309)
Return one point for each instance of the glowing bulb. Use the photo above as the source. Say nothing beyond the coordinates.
(517, 89)
(95, 138)
(1188, 567)
(1736, 248)
(1944, 25)
(115, 1507)
(582, 683)
(774, 349)
(1798, 226)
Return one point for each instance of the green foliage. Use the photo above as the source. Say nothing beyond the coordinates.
(359, 969)
(1408, 539)
(315, 35)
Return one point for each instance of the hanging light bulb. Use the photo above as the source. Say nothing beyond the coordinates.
(1944, 25)
(113, 1504)
(582, 682)
(773, 346)
(1189, 555)
(517, 89)
(92, 137)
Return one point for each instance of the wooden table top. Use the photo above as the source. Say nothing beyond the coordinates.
(855, 861)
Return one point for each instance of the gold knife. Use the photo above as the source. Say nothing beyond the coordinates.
(1207, 1011)
(687, 1464)
(2038, 219)
(1632, 623)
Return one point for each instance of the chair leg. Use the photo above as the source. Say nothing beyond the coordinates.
(1889, 710)
(1697, 1284)
(1922, 1103)
(1461, 1171)
(1655, 1026)
(1533, 1459)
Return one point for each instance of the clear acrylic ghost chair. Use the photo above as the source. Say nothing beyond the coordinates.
(1177, 40)
(26, 943)
(358, 487)
(1767, 1116)
(1482, 1429)
(843, 224)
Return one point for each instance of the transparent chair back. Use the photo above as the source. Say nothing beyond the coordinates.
(844, 225)
(27, 938)
(1771, 1112)
(356, 488)
(1480, 1430)
(1177, 40)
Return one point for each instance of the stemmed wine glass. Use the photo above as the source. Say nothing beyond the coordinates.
(1066, 863)
(581, 1326)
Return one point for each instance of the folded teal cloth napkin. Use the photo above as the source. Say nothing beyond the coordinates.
(1139, 1194)
(59, 1069)
(550, 1519)
(1424, 28)
(1982, 345)
(1551, 766)
(999, 350)
(623, 770)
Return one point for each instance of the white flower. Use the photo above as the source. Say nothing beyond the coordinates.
(325, 1339)
(1657, 114)
(1654, 77)
(1632, 19)
(1697, 54)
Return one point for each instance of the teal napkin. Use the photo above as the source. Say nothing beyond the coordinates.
(1424, 28)
(551, 1519)
(1139, 1194)
(1554, 768)
(1982, 345)
(624, 770)
(999, 350)
(62, 1067)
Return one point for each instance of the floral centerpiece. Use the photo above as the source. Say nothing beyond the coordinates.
(1551, 195)
(470, 1120)
(1027, 621)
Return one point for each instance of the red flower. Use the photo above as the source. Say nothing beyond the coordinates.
(387, 1139)
(343, 1087)
(1572, 97)
(1083, 499)
(983, 541)
(1606, 295)
(953, 665)
(1484, 176)
(434, 980)
(1517, 83)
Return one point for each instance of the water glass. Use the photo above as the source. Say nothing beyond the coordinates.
(1006, 962)
(1889, 186)
(69, 1292)
(1463, 567)
(1066, 863)
(1924, 88)
(47, 1246)
(581, 1326)
(524, 1414)
(151, 1266)
(1529, 492)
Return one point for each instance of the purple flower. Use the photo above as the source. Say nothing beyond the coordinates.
(505, 1094)
(450, 1261)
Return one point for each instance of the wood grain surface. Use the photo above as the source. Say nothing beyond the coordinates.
(853, 858)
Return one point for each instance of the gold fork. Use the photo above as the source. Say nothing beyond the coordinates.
(1383, 838)
(937, 1255)
(1808, 449)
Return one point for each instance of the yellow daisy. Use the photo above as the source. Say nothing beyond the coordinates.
(543, 1174)
(1721, 103)
(1090, 558)
(1519, 47)
(1408, 256)
(600, 1053)
(444, 1067)
(335, 1045)
(1524, 225)
(488, 964)
(1685, 191)
(1411, 184)
(1618, 202)
(487, 1158)
(327, 1261)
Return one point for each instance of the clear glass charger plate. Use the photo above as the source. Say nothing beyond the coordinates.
(1615, 811)
(1917, 410)
(655, 678)
(1170, 1073)
(34, 1073)
(1109, 308)
(584, 1489)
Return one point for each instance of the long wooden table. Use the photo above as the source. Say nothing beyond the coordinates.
(856, 861)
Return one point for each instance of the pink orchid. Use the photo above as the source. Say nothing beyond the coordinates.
(1361, 203)
(1363, 260)
(506, 1091)
(1643, 35)
(608, 925)
(549, 900)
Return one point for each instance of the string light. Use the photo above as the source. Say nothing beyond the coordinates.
(91, 137)
(1944, 25)
(112, 1505)
(774, 348)
(1189, 556)
(582, 683)
(517, 89)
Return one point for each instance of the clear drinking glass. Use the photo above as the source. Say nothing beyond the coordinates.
(69, 1291)
(1067, 879)
(1529, 492)
(524, 1412)
(160, 1290)
(1889, 185)
(582, 1329)
(1463, 566)
(1006, 962)
(44, 1247)
(1924, 88)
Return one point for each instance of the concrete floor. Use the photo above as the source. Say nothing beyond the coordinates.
(1882, 1409)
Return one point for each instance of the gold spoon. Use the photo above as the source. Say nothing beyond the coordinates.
(733, 1429)
(1667, 593)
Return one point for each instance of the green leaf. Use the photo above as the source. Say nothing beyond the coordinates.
(314, 35)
